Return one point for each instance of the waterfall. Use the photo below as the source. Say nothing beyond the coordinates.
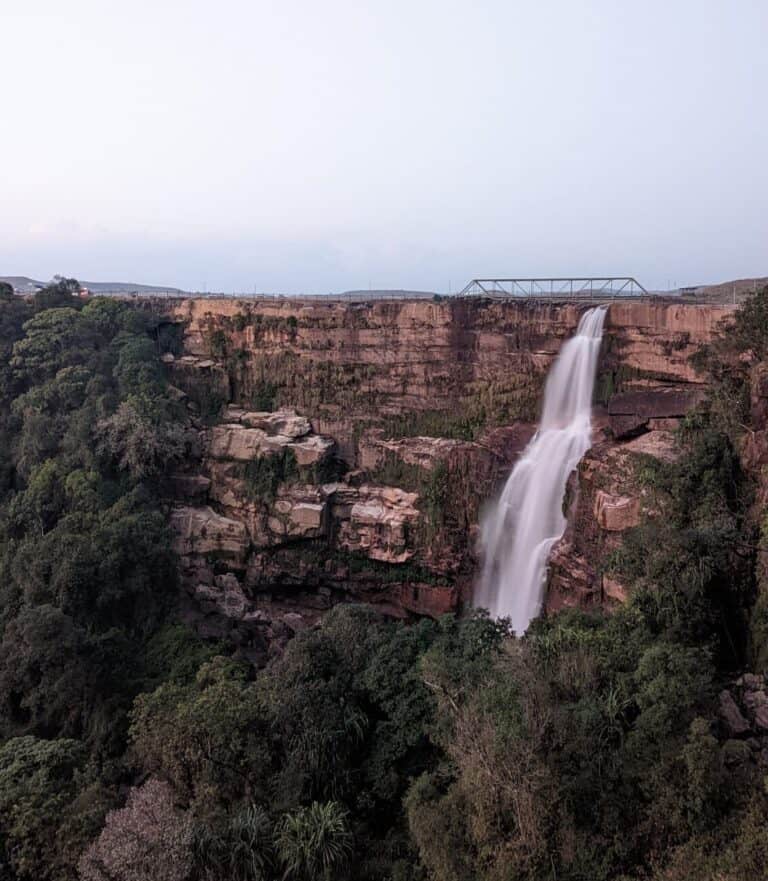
(518, 531)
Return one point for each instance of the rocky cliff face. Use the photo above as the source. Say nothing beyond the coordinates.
(354, 445)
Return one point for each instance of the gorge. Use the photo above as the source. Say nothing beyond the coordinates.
(385, 427)
(239, 547)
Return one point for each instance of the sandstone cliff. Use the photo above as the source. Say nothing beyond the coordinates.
(346, 449)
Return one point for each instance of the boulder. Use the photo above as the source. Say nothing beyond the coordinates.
(614, 590)
(659, 444)
(423, 452)
(751, 681)
(572, 580)
(286, 423)
(306, 516)
(731, 714)
(298, 512)
(376, 521)
(225, 596)
(235, 442)
(616, 513)
(761, 717)
(295, 622)
(753, 700)
(201, 531)
(311, 450)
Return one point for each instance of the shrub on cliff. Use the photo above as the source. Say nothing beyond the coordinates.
(727, 362)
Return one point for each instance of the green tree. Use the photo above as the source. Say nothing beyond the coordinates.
(45, 679)
(38, 784)
(206, 738)
(61, 292)
(53, 339)
(317, 706)
(140, 445)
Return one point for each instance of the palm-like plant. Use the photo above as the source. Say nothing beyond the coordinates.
(314, 843)
(250, 836)
(238, 851)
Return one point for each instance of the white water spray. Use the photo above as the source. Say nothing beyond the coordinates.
(519, 531)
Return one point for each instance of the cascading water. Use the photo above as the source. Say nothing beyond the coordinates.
(519, 531)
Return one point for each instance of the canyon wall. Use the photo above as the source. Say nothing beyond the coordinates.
(346, 449)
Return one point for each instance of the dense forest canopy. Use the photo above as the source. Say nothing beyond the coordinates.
(130, 749)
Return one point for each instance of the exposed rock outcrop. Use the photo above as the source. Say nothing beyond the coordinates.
(606, 499)
(202, 532)
(657, 338)
(245, 444)
(633, 412)
(376, 521)
(743, 710)
(262, 534)
(616, 513)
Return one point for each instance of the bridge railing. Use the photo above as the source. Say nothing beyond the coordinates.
(577, 287)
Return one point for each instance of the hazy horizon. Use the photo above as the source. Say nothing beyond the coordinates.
(323, 147)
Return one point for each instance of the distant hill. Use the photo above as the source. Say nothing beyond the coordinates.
(387, 295)
(25, 285)
(724, 292)
(21, 284)
(127, 287)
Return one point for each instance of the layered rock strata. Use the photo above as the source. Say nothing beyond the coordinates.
(346, 449)
(271, 528)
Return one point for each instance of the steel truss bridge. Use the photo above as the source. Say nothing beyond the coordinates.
(576, 287)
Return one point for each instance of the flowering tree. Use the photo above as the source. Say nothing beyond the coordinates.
(147, 840)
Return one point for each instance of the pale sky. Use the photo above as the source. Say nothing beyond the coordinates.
(318, 145)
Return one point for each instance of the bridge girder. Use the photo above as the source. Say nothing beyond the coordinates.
(577, 287)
